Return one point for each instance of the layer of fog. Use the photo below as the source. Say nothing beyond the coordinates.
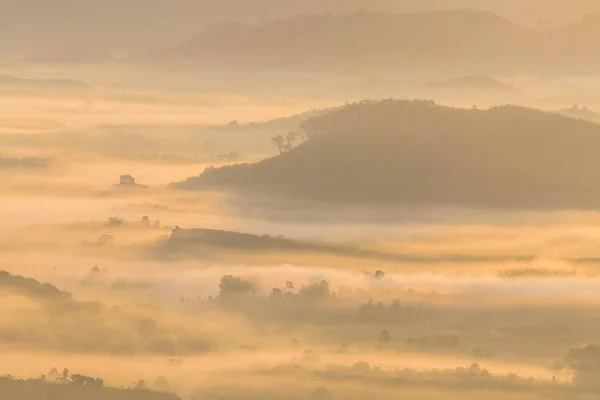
(62, 224)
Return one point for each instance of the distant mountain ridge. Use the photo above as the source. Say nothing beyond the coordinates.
(114, 25)
(442, 40)
(32, 287)
(17, 83)
(472, 82)
(419, 153)
(583, 113)
(200, 242)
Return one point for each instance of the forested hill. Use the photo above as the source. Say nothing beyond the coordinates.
(31, 287)
(403, 152)
(74, 387)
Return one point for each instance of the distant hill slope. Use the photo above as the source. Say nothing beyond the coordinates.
(12, 163)
(69, 57)
(418, 153)
(202, 242)
(37, 389)
(16, 83)
(31, 287)
(74, 326)
(472, 82)
(280, 125)
(434, 40)
(581, 113)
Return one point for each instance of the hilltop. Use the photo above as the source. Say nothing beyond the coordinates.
(31, 287)
(200, 242)
(472, 82)
(583, 113)
(76, 386)
(418, 153)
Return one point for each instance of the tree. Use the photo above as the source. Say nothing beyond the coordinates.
(276, 294)
(290, 140)
(82, 380)
(140, 385)
(379, 275)
(161, 384)
(384, 337)
(52, 375)
(280, 142)
(105, 240)
(316, 291)
(309, 134)
(585, 363)
(126, 180)
(285, 142)
(233, 285)
(64, 378)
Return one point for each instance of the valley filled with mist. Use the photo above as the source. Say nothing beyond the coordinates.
(386, 199)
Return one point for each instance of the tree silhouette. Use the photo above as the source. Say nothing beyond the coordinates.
(82, 380)
(140, 385)
(126, 180)
(280, 142)
(379, 274)
(64, 378)
(384, 337)
(290, 139)
(285, 142)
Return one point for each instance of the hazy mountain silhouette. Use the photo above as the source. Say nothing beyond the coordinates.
(435, 40)
(283, 124)
(31, 287)
(23, 84)
(581, 113)
(472, 82)
(72, 387)
(113, 25)
(69, 57)
(354, 41)
(202, 242)
(7, 162)
(402, 152)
